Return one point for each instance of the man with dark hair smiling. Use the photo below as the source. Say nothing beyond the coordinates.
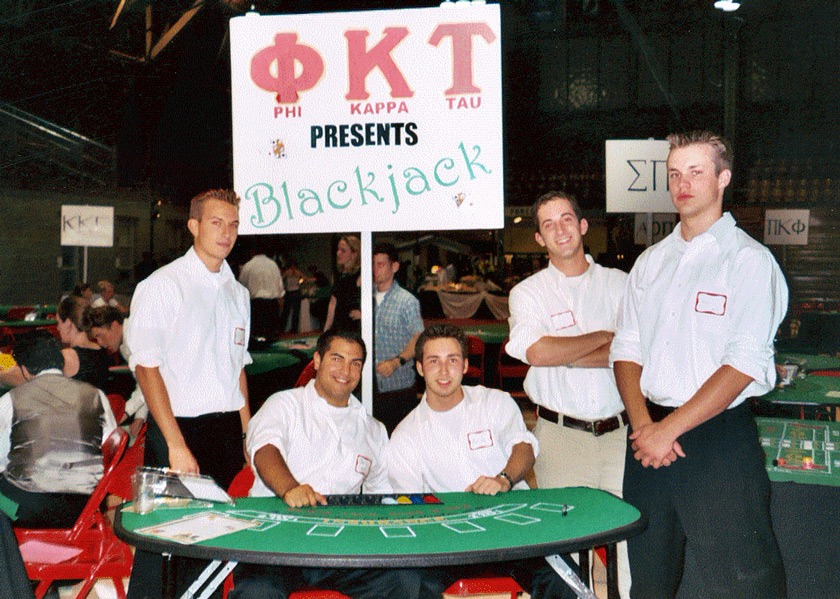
(316, 440)
(464, 438)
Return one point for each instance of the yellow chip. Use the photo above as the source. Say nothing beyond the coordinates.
(6, 361)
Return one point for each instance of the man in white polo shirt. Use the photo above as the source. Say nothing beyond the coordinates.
(562, 320)
(188, 334)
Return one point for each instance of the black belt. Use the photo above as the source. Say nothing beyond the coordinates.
(596, 427)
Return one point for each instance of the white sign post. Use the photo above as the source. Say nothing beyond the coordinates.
(87, 226)
(368, 121)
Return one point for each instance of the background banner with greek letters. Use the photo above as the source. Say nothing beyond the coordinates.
(368, 121)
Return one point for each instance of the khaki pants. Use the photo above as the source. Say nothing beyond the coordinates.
(572, 458)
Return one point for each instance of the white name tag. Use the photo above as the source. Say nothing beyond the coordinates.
(563, 320)
(480, 439)
(239, 336)
(710, 303)
(363, 464)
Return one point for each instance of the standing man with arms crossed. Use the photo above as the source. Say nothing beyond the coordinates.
(188, 334)
(694, 341)
(397, 324)
(562, 320)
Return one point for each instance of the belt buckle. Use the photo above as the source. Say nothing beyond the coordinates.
(601, 427)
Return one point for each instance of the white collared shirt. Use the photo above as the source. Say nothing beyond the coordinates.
(433, 451)
(549, 303)
(333, 450)
(694, 306)
(194, 325)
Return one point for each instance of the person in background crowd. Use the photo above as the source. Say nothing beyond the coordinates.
(107, 297)
(262, 277)
(397, 325)
(84, 360)
(105, 326)
(694, 341)
(292, 279)
(344, 312)
(561, 323)
(188, 336)
(51, 434)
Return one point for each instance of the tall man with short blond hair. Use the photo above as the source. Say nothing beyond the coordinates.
(694, 341)
(188, 336)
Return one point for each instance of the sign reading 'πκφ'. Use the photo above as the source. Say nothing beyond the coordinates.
(368, 121)
(786, 227)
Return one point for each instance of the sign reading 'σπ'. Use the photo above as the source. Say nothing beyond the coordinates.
(368, 121)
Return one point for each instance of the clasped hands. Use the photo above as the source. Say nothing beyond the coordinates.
(655, 445)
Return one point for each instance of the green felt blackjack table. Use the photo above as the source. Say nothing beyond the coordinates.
(464, 528)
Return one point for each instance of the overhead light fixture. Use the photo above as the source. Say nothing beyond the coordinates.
(727, 5)
(517, 220)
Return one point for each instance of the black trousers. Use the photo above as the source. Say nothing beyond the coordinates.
(277, 582)
(716, 500)
(265, 318)
(291, 308)
(216, 442)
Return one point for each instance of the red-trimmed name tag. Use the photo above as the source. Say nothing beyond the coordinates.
(480, 439)
(239, 336)
(710, 303)
(363, 464)
(563, 320)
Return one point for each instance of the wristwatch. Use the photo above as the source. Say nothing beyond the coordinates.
(505, 475)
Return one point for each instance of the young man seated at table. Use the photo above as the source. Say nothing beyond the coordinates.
(51, 433)
(463, 438)
(316, 440)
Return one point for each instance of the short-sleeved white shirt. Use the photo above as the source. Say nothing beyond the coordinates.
(549, 303)
(693, 306)
(194, 325)
(447, 451)
(333, 450)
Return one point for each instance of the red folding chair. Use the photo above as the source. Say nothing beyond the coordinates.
(117, 402)
(475, 354)
(100, 554)
(485, 586)
(307, 375)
